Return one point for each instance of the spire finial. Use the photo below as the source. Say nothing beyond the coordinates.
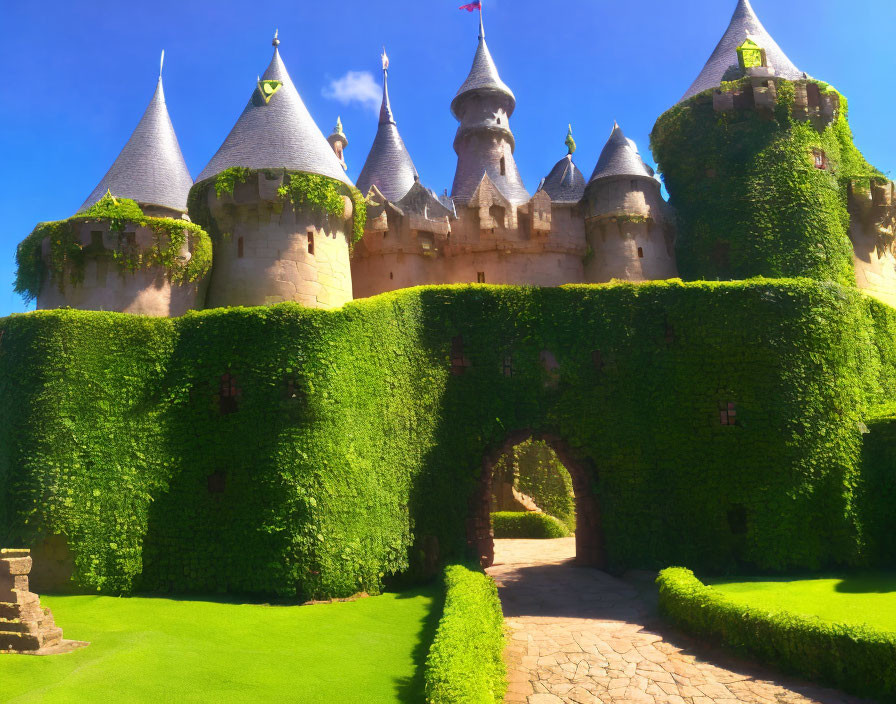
(161, 64)
(276, 41)
(338, 129)
(570, 142)
(386, 108)
(385, 59)
(481, 25)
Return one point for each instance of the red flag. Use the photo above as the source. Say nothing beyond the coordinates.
(472, 6)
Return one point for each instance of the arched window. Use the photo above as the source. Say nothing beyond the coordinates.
(503, 166)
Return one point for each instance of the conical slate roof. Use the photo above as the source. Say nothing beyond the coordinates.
(279, 134)
(483, 76)
(389, 165)
(620, 157)
(565, 183)
(151, 168)
(744, 24)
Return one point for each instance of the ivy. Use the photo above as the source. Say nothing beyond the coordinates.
(749, 199)
(352, 452)
(299, 188)
(68, 253)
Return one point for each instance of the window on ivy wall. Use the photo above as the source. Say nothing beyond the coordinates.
(728, 413)
(229, 394)
(459, 362)
(640, 252)
(480, 277)
(821, 159)
(217, 482)
(508, 365)
(291, 389)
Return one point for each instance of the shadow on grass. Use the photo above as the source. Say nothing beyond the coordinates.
(858, 582)
(411, 689)
(868, 583)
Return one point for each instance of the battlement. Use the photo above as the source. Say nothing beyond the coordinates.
(759, 91)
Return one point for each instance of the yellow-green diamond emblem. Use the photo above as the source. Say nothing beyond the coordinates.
(268, 89)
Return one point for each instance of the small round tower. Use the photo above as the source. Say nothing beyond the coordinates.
(130, 248)
(270, 198)
(627, 222)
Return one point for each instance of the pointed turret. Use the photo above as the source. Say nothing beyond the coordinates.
(276, 131)
(565, 183)
(484, 141)
(724, 64)
(338, 142)
(151, 168)
(389, 166)
(620, 157)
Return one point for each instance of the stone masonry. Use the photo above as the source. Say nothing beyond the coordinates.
(25, 626)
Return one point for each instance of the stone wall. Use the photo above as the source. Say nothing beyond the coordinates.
(105, 286)
(272, 252)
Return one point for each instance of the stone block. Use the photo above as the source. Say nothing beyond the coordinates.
(15, 566)
(19, 642)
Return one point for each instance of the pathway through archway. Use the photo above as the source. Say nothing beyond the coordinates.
(580, 635)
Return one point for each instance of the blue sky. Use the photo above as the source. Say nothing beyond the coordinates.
(76, 77)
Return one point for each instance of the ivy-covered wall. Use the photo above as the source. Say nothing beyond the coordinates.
(749, 198)
(344, 446)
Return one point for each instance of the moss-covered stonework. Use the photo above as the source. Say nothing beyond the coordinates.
(68, 253)
(746, 184)
(320, 451)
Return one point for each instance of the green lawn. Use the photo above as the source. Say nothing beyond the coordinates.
(164, 650)
(865, 598)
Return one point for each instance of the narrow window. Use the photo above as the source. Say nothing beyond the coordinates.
(217, 482)
(480, 277)
(459, 362)
(239, 248)
(820, 159)
(508, 365)
(813, 95)
(499, 120)
(291, 390)
(229, 394)
(728, 414)
(311, 242)
(503, 166)
(391, 276)
(640, 252)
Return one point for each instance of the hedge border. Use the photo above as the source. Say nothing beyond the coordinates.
(527, 524)
(465, 664)
(857, 659)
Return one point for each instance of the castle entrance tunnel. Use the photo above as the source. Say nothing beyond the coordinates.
(537, 472)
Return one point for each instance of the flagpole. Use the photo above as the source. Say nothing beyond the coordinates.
(481, 25)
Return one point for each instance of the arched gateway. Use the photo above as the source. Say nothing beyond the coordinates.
(590, 550)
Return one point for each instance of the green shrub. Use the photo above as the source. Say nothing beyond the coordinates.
(857, 659)
(465, 664)
(527, 524)
(539, 474)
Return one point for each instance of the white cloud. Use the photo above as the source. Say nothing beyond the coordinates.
(355, 87)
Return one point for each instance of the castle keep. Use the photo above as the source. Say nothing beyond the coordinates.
(275, 218)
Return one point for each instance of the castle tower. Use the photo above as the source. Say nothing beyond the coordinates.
(407, 225)
(565, 183)
(627, 223)
(723, 64)
(760, 165)
(151, 171)
(338, 142)
(389, 166)
(484, 142)
(273, 241)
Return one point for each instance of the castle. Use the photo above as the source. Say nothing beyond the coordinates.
(281, 211)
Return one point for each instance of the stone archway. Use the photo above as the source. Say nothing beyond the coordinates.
(590, 550)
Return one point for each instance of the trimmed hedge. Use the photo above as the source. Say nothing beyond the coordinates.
(465, 664)
(350, 451)
(527, 524)
(857, 659)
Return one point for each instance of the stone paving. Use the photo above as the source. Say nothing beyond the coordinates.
(579, 635)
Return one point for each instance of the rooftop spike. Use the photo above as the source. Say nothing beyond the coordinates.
(570, 142)
(150, 168)
(389, 166)
(276, 42)
(161, 64)
(723, 63)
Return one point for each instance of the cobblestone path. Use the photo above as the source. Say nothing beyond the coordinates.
(580, 635)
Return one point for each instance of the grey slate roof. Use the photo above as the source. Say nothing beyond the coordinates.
(565, 183)
(388, 164)
(620, 157)
(744, 24)
(278, 135)
(483, 76)
(151, 168)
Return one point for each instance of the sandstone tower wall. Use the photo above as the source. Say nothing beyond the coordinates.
(271, 251)
(872, 211)
(105, 286)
